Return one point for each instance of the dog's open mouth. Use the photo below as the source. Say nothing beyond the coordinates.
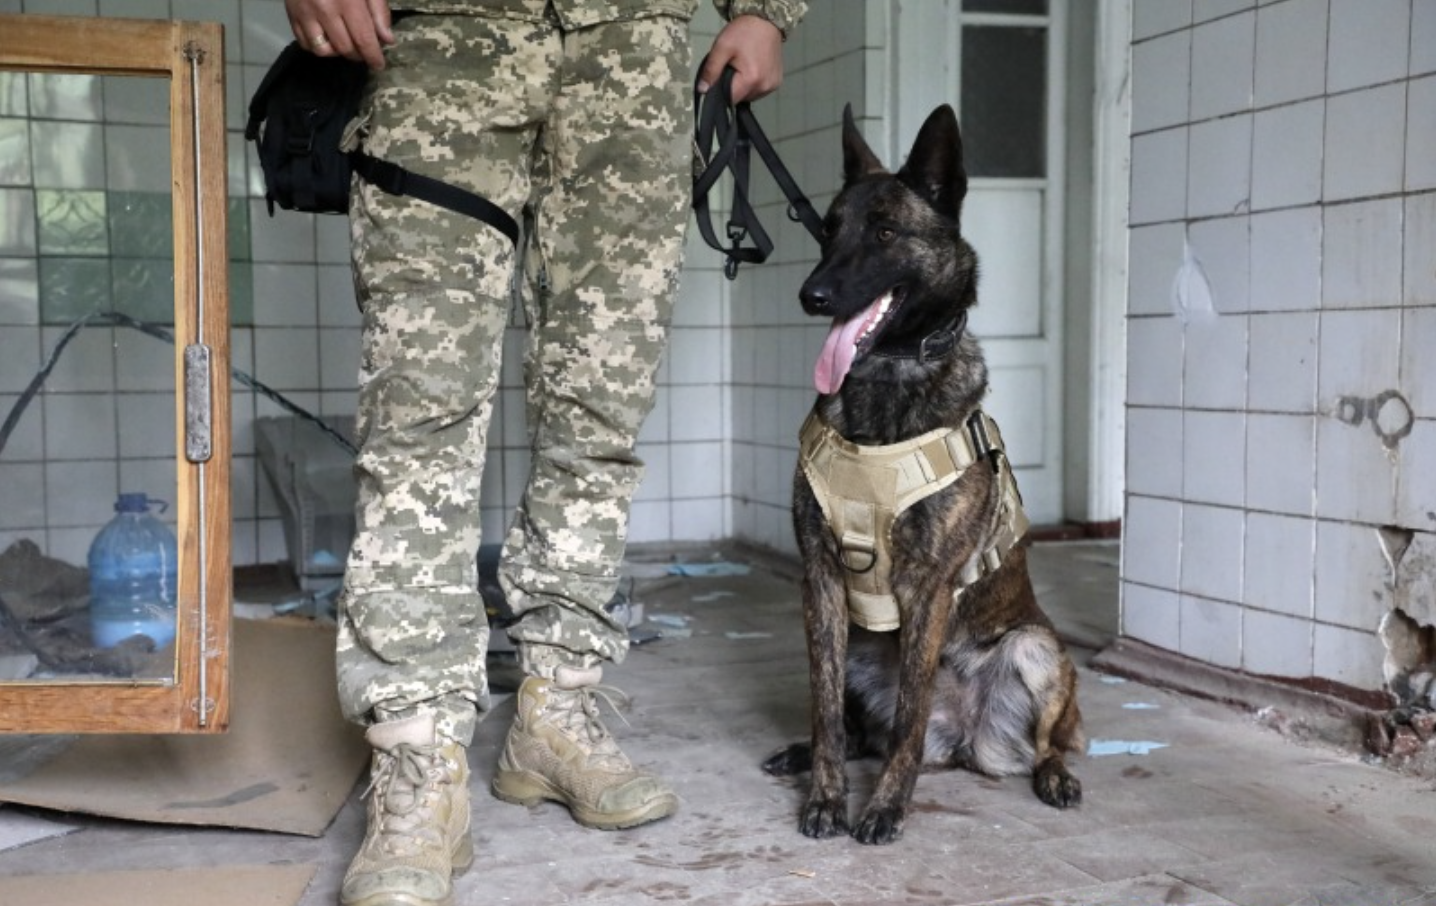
(849, 338)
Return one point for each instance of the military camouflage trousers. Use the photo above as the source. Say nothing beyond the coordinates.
(585, 132)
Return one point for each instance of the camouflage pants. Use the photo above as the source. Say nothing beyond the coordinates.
(586, 130)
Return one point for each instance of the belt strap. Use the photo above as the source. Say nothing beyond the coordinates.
(737, 133)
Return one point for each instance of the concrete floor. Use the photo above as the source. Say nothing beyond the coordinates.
(1228, 812)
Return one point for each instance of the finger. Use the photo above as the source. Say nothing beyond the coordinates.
(383, 20)
(713, 68)
(363, 34)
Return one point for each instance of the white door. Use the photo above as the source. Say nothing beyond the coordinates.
(999, 63)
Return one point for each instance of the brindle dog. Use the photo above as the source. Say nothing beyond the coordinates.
(976, 679)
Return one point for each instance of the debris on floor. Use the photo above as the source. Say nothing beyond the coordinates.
(1099, 747)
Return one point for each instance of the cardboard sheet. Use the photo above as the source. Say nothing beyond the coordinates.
(288, 762)
(248, 885)
(20, 829)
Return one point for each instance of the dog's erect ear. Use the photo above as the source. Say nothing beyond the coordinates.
(858, 158)
(934, 166)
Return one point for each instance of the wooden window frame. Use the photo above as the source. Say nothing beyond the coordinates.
(195, 699)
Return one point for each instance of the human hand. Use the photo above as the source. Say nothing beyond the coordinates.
(353, 29)
(753, 46)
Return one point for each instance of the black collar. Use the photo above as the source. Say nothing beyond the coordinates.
(935, 345)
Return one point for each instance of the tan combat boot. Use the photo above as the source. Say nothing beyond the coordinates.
(418, 834)
(558, 749)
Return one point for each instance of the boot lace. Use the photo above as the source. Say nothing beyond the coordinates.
(578, 715)
(406, 789)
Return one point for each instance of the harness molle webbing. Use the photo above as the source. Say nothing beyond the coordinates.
(863, 489)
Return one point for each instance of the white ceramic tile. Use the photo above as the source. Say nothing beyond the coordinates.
(1154, 452)
(1355, 479)
(512, 415)
(1153, 17)
(1416, 488)
(337, 307)
(1421, 134)
(1159, 176)
(1154, 254)
(657, 483)
(285, 295)
(1215, 363)
(1280, 553)
(61, 7)
(1290, 51)
(516, 465)
(1152, 542)
(22, 496)
(1282, 368)
(331, 240)
(1361, 255)
(339, 358)
(1220, 162)
(515, 347)
(88, 360)
(272, 547)
(1286, 155)
(338, 402)
(1281, 463)
(1206, 10)
(137, 158)
(1223, 246)
(146, 424)
(699, 520)
(78, 159)
(156, 478)
(1286, 260)
(649, 521)
(17, 228)
(1347, 656)
(1418, 365)
(658, 428)
(703, 298)
(286, 237)
(19, 357)
(70, 545)
(1211, 631)
(1151, 615)
(1212, 466)
(1212, 542)
(1276, 645)
(244, 543)
(26, 442)
(286, 359)
(243, 486)
(1154, 361)
(138, 101)
(1370, 40)
(1222, 58)
(1423, 38)
(19, 293)
(1364, 145)
(266, 30)
(1360, 354)
(700, 470)
(79, 493)
(1160, 88)
(695, 355)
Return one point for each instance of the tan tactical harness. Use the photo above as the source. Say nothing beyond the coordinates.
(863, 490)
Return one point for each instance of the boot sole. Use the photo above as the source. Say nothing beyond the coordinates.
(462, 860)
(528, 789)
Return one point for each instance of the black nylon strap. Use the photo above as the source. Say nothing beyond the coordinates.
(396, 180)
(736, 131)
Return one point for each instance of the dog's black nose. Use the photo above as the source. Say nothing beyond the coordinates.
(816, 297)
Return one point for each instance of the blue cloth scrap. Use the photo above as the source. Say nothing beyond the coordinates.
(1099, 747)
(717, 568)
(1140, 706)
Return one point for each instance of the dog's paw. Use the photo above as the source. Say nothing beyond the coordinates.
(824, 818)
(880, 826)
(1055, 786)
(795, 759)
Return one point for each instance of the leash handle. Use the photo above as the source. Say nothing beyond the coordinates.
(736, 132)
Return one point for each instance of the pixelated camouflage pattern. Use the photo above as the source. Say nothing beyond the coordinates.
(582, 13)
(588, 128)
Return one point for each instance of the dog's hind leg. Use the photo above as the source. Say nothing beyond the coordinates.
(798, 757)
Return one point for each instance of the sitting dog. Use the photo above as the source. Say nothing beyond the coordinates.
(926, 644)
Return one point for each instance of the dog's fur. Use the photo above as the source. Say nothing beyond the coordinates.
(980, 682)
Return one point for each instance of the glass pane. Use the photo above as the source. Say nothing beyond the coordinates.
(1014, 7)
(88, 465)
(1004, 100)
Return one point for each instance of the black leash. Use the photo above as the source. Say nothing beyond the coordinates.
(736, 131)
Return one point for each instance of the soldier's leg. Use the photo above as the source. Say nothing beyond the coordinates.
(434, 287)
(610, 224)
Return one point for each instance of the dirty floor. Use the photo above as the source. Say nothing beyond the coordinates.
(1217, 810)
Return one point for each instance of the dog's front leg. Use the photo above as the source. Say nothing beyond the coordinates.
(920, 645)
(825, 612)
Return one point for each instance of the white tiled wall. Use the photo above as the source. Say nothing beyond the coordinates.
(1275, 140)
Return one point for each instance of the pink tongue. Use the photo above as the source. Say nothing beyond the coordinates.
(839, 349)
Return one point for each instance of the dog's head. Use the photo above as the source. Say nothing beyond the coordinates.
(894, 265)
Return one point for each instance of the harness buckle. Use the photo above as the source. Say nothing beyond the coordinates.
(982, 443)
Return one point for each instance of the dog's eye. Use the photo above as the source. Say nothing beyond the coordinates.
(886, 234)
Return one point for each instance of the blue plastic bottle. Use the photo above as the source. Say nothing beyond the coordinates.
(133, 576)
